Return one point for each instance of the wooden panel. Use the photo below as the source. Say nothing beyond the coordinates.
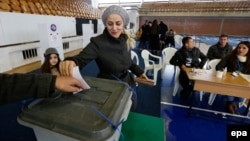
(204, 25)
(237, 26)
(220, 88)
(200, 25)
(175, 23)
(36, 65)
(26, 68)
(72, 53)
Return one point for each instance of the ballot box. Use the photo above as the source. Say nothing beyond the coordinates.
(92, 115)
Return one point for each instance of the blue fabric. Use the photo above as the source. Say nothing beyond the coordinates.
(234, 99)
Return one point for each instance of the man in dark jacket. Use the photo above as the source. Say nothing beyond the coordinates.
(163, 30)
(187, 56)
(21, 86)
(221, 49)
(144, 39)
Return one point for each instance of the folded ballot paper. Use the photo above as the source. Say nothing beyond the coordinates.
(77, 75)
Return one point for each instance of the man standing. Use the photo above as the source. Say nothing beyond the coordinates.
(221, 49)
(145, 35)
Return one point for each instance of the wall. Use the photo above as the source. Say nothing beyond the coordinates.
(20, 27)
(19, 32)
(237, 26)
(12, 57)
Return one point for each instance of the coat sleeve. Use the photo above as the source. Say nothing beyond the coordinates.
(177, 59)
(89, 53)
(210, 54)
(16, 87)
(203, 59)
(135, 69)
(222, 64)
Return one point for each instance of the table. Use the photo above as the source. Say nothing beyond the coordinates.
(206, 80)
(140, 127)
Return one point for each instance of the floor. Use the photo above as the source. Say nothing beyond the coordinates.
(203, 124)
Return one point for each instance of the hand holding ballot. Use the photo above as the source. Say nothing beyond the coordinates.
(69, 68)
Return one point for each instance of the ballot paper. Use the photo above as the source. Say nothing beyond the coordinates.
(77, 75)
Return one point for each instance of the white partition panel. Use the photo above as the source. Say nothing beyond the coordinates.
(19, 27)
(5, 60)
(1, 33)
(87, 33)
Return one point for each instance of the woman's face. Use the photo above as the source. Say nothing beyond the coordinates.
(242, 50)
(53, 59)
(115, 25)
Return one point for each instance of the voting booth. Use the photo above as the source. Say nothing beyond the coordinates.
(93, 115)
(50, 36)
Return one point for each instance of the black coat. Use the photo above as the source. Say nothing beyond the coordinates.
(198, 58)
(16, 87)
(225, 62)
(217, 52)
(111, 55)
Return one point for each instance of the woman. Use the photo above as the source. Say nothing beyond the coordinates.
(110, 50)
(237, 61)
(51, 62)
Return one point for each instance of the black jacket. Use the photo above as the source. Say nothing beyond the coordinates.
(20, 86)
(217, 52)
(198, 58)
(111, 55)
(230, 67)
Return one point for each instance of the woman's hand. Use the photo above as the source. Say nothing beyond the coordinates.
(66, 67)
(143, 76)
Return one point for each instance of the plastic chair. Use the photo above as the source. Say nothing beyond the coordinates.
(211, 65)
(150, 64)
(135, 59)
(167, 54)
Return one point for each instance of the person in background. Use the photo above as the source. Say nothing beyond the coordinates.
(51, 62)
(15, 87)
(187, 56)
(154, 43)
(138, 34)
(144, 39)
(110, 50)
(221, 49)
(237, 61)
(163, 30)
(170, 38)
